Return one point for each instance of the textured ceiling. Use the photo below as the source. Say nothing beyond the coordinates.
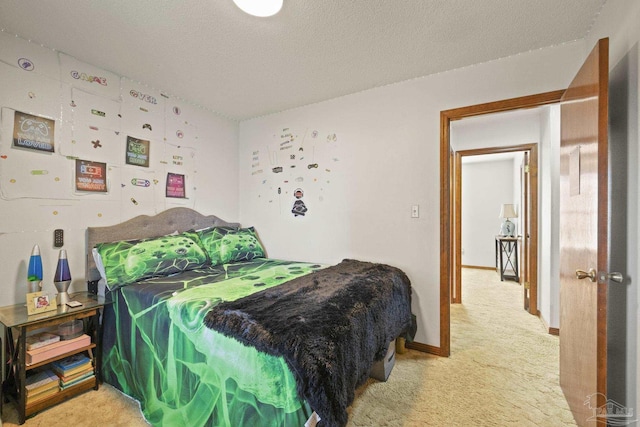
(212, 54)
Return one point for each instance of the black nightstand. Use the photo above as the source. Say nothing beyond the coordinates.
(507, 257)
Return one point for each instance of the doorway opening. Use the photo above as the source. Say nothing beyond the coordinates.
(506, 185)
(450, 225)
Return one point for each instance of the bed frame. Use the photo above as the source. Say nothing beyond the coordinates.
(144, 226)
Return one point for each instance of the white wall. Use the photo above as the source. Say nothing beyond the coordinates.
(486, 186)
(32, 205)
(388, 159)
(549, 211)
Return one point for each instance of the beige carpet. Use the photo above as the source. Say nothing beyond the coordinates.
(503, 371)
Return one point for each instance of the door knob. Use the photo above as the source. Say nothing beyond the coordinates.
(591, 274)
(615, 277)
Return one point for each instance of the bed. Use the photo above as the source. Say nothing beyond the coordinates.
(205, 329)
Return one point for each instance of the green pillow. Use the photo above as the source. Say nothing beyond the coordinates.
(240, 245)
(129, 261)
(211, 239)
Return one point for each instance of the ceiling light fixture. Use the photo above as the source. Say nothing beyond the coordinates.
(261, 8)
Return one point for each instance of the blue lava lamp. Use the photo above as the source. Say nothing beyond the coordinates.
(34, 271)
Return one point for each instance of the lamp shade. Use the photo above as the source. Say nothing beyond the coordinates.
(508, 211)
(63, 273)
(34, 270)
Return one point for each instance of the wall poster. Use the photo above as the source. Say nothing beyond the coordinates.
(91, 176)
(33, 132)
(175, 185)
(137, 152)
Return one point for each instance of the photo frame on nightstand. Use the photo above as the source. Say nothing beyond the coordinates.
(37, 302)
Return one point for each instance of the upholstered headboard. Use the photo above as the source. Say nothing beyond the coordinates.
(145, 226)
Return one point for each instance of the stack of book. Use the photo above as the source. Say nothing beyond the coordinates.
(73, 370)
(40, 348)
(40, 385)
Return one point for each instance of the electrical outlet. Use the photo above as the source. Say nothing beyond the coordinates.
(415, 211)
(58, 238)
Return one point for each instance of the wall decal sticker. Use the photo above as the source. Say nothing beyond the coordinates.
(39, 172)
(88, 77)
(140, 182)
(143, 96)
(33, 132)
(98, 112)
(299, 208)
(26, 64)
(314, 151)
(146, 126)
(78, 75)
(96, 143)
(91, 176)
(31, 95)
(134, 201)
(137, 152)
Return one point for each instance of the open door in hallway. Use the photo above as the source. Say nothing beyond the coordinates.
(584, 238)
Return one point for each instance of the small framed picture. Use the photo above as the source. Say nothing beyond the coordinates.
(37, 302)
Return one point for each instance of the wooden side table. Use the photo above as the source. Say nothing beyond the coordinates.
(14, 319)
(507, 257)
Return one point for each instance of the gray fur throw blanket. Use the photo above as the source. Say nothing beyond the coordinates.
(330, 326)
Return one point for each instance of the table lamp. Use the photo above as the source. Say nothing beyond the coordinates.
(34, 271)
(62, 278)
(508, 228)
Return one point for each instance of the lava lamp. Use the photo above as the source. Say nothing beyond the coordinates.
(34, 271)
(62, 278)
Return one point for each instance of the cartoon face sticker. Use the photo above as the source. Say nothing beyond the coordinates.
(299, 208)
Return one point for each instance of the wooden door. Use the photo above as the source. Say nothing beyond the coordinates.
(584, 236)
(524, 230)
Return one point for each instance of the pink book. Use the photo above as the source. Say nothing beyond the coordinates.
(56, 349)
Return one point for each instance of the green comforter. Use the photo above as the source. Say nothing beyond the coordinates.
(158, 351)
